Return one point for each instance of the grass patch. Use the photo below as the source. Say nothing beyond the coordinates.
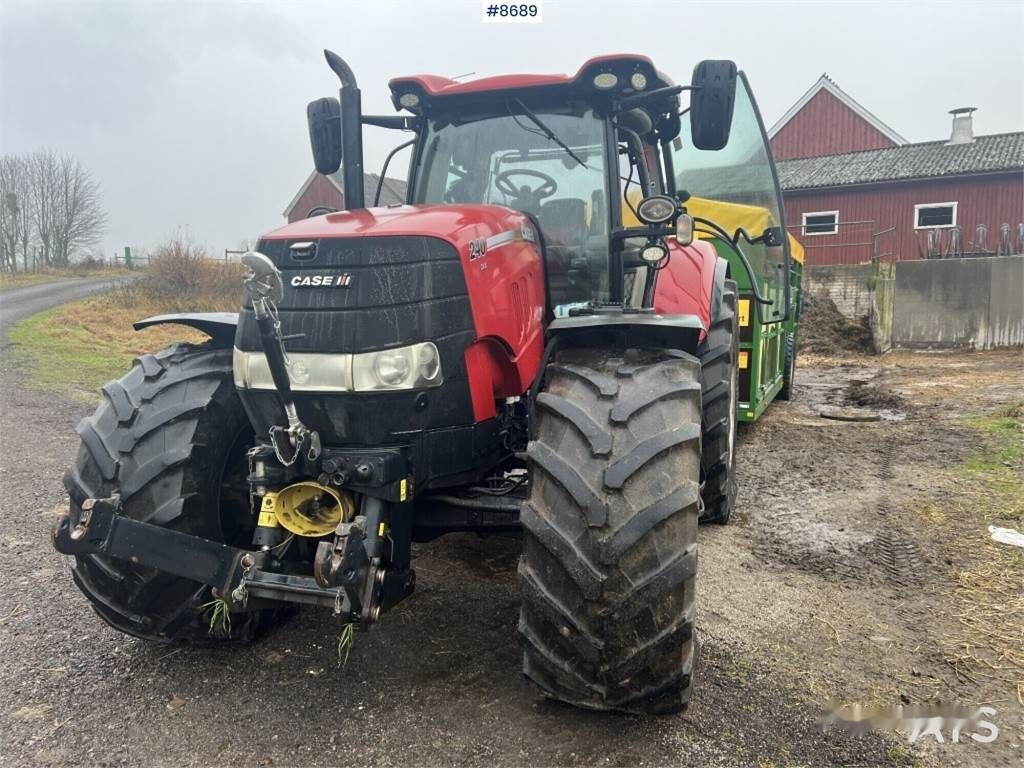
(9, 281)
(999, 466)
(78, 347)
(219, 616)
(75, 349)
(345, 640)
(988, 602)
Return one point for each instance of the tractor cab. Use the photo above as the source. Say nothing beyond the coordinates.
(580, 155)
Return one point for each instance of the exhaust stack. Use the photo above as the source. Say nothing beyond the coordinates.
(963, 126)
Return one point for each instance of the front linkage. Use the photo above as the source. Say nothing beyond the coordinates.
(350, 572)
(347, 576)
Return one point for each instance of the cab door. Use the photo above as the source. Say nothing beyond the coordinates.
(736, 188)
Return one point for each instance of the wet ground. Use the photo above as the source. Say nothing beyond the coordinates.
(830, 582)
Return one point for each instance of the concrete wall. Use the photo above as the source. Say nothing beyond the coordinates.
(976, 302)
(883, 305)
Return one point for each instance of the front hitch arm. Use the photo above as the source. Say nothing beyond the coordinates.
(99, 528)
(265, 287)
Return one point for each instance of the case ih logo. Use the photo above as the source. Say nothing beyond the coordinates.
(343, 280)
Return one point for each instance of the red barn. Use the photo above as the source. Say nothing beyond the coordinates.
(319, 194)
(855, 190)
(827, 121)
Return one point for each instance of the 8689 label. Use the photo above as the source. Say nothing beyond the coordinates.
(511, 12)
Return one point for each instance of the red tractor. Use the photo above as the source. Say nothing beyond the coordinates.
(525, 345)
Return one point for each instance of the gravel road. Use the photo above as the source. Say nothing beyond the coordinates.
(436, 682)
(22, 302)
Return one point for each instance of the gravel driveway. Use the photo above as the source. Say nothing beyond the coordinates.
(17, 303)
(437, 681)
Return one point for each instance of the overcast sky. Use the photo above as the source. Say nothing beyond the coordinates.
(192, 115)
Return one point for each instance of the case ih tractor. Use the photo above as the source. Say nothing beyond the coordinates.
(555, 335)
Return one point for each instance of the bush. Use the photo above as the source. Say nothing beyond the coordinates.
(182, 277)
(90, 263)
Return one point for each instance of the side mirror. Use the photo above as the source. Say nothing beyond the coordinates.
(324, 116)
(711, 103)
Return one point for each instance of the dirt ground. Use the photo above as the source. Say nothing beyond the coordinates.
(859, 564)
(857, 568)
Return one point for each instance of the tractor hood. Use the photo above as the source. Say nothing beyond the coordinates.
(483, 226)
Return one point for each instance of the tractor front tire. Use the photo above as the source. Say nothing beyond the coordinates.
(610, 531)
(170, 438)
(719, 377)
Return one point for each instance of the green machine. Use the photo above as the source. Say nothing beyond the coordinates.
(768, 306)
(767, 331)
(734, 198)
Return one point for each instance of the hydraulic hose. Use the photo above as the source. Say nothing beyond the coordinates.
(275, 355)
(743, 259)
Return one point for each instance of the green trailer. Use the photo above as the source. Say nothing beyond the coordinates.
(767, 333)
(766, 354)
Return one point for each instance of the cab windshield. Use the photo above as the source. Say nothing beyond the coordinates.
(508, 159)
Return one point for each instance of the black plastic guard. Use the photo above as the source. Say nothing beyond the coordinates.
(628, 329)
(219, 326)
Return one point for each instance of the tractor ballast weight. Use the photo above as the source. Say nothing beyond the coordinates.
(529, 344)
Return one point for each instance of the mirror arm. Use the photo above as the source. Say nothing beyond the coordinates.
(399, 122)
(630, 102)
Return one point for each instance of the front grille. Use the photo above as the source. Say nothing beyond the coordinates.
(401, 290)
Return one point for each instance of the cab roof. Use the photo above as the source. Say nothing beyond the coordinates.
(623, 66)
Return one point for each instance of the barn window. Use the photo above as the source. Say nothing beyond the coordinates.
(821, 223)
(934, 215)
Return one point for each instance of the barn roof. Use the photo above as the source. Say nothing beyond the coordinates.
(825, 83)
(931, 159)
(392, 191)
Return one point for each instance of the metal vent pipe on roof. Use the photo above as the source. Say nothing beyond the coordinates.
(963, 126)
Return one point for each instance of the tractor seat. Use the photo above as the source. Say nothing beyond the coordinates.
(564, 221)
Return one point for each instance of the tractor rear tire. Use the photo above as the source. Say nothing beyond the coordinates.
(610, 531)
(789, 369)
(169, 437)
(719, 377)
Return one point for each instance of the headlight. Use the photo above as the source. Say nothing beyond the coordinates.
(605, 81)
(392, 367)
(638, 80)
(308, 371)
(656, 209)
(412, 367)
(653, 253)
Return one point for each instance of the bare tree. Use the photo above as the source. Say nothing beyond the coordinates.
(50, 209)
(43, 183)
(80, 218)
(16, 232)
(68, 209)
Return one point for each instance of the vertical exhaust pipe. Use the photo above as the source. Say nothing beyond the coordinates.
(351, 131)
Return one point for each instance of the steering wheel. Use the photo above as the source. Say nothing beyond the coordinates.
(526, 197)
